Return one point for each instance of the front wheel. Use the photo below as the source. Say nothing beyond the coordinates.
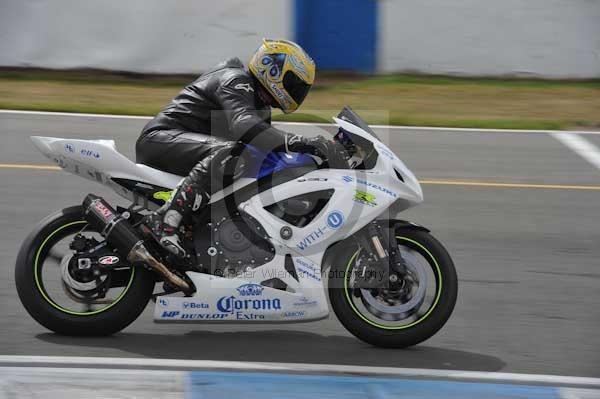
(406, 315)
(74, 298)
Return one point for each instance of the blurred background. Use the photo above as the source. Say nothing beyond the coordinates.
(518, 210)
(474, 63)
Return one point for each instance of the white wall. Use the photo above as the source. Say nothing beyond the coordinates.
(552, 38)
(168, 36)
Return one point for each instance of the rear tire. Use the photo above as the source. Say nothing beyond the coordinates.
(411, 334)
(126, 308)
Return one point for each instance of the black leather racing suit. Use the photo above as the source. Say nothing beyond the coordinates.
(202, 132)
(208, 117)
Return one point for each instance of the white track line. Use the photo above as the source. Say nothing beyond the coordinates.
(581, 146)
(77, 383)
(72, 114)
(174, 364)
(578, 393)
(393, 127)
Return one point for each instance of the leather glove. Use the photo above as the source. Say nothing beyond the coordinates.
(329, 151)
(318, 146)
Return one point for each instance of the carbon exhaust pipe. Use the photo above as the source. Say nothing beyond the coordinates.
(121, 235)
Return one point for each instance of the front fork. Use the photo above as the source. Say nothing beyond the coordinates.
(385, 267)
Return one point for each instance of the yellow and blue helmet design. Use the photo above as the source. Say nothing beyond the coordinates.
(285, 70)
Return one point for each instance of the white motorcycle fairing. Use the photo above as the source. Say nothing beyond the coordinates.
(359, 197)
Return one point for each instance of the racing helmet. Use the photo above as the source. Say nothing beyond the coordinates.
(285, 70)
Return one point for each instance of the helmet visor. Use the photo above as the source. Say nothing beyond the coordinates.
(296, 87)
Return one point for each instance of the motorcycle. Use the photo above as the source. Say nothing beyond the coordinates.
(273, 246)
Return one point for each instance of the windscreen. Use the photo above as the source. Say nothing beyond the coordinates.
(350, 116)
(361, 151)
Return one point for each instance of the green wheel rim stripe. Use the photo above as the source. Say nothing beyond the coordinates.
(43, 292)
(371, 322)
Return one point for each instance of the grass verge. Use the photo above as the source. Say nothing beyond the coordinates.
(394, 99)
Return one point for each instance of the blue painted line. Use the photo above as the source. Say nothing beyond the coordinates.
(338, 34)
(231, 385)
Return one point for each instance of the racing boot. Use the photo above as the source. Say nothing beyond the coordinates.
(191, 194)
(164, 224)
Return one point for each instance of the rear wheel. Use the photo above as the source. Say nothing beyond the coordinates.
(73, 299)
(404, 316)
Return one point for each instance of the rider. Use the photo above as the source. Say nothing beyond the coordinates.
(201, 132)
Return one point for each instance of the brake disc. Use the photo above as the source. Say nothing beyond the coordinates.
(378, 306)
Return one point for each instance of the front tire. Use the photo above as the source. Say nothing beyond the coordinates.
(49, 313)
(429, 321)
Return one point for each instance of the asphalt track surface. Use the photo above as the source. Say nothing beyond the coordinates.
(527, 258)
